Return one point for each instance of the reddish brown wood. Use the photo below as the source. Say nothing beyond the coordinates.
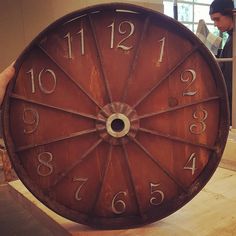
(117, 116)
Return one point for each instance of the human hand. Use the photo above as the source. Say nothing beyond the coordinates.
(5, 77)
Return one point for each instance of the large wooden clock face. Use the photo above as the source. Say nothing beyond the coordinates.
(117, 116)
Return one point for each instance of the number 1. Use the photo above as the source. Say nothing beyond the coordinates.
(162, 41)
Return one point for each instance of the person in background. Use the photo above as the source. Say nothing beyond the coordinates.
(222, 15)
(5, 77)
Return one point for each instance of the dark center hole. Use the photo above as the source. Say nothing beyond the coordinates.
(117, 125)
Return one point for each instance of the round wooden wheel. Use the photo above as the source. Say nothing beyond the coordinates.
(117, 116)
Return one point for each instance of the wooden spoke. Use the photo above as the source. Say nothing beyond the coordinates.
(149, 155)
(177, 108)
(22, 98)
(54, 140)
(168, 74)
(100, 60)
(75, 164)
(102, 181)
(136, 55)
(131, 179)
(173, 138)
(68, 75)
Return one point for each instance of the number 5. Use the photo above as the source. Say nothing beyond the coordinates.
(159, 195)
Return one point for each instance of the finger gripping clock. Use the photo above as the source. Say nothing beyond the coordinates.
(117, 116)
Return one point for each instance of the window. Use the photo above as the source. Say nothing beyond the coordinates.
(190, 12)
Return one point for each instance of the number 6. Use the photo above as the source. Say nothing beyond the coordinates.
(116, 203)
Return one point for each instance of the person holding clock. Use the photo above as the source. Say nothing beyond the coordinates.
(5, 77)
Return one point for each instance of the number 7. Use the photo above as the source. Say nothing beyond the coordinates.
(82, 183)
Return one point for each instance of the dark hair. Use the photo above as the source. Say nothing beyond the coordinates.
(224, 7)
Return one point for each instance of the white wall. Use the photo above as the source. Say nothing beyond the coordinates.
(22, 20)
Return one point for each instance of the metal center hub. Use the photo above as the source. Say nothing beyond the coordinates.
(118, 125)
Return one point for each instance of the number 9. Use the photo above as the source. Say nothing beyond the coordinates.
(30, 118)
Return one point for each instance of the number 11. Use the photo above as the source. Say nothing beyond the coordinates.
(69, 42)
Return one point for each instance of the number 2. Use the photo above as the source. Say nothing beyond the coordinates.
(190, 79)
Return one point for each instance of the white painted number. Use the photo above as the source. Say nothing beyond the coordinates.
(121, 43)
(162, 41)
(31, 119)
(191, 164)
(42, 87)
(159, 195)
(188, 77)
(199, 126)
(45, 168)
(82, 182)
(68, 37)
(118, 206)
(69, 40)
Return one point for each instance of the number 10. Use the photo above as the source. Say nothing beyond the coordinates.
(41, 86)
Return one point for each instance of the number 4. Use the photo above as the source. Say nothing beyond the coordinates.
(191, 163)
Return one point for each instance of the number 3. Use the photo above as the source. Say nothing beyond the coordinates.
(199, 126)
(189, 78)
